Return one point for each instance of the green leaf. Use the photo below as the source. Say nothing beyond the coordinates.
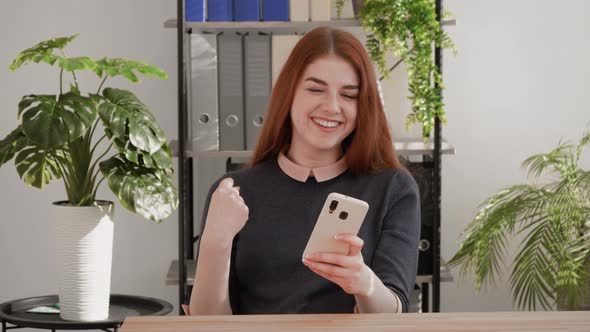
(41, 52)
(51, 123)
(11, 144)
(36, 166)
(76, 64)
(127, 69)
(395, 25)
(339, 5)
(149, 192)
(163, 157)
(128, 119)
(551, 265)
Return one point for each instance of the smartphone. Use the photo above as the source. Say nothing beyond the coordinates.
(340, 214)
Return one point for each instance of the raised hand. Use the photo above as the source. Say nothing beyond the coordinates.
(227, 214)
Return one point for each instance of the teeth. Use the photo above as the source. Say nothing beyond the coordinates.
(327, 124)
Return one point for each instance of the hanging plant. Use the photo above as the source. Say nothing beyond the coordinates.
(409, 29)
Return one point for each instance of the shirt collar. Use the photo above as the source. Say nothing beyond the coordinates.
(301, 173)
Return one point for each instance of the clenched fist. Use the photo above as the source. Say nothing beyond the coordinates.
(227, 215)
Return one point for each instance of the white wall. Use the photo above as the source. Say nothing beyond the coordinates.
(128, 29)
(516, 86)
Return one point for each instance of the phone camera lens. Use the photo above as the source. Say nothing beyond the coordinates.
(343, 215)
(333, 205)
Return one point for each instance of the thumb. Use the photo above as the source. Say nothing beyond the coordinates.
(227, 183)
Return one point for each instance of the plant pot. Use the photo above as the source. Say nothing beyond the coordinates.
(84, 241)
(584, 304)
(356, 7)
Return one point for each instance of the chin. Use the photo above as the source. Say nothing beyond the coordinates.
(327, 147)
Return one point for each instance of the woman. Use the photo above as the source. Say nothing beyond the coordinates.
(325, 132)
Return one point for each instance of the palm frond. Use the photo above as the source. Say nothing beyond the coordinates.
(555, 161)
(584, 141)
(486, 237)
(532, 275)
(552, 265)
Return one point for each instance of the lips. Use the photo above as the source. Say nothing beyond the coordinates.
(326, 123)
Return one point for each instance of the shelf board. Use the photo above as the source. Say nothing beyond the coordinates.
(191, 267)
(407, 146)
(265, 27)
(269, 27)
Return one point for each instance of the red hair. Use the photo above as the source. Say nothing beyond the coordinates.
(369, 148)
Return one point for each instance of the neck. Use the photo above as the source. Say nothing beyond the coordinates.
(313, 158)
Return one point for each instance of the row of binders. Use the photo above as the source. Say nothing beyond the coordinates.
(231, 79)
(257, 10)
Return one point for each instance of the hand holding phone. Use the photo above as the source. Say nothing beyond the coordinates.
(340, 214)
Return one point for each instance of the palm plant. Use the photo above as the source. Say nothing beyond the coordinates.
(55, 139)
(552, 263)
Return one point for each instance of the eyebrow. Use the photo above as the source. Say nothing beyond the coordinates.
(318, 81)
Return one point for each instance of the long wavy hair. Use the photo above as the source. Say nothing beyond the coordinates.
(369, 148)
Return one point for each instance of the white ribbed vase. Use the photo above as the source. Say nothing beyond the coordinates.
(84, 241)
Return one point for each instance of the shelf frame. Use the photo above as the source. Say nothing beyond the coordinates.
(436, 148)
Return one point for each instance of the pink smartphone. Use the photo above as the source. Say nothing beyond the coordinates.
(340, 214)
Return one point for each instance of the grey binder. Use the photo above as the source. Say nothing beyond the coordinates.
(258, 70)
(231, 92)
(202, 101)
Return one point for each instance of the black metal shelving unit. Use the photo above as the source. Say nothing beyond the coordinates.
(186, 237)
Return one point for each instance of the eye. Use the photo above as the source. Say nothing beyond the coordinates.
(351, 97)
(315, 90)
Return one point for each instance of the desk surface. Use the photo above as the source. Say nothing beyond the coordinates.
(439, 322)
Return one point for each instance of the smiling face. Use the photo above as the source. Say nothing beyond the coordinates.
(324, 106)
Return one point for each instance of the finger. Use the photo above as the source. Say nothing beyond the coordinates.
(327, 276)
(186, 310)
(355, 243)
(227, 183)
(335, 259)
(333, 270)
(241, 200)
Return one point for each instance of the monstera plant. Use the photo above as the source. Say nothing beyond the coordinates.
(60, 135)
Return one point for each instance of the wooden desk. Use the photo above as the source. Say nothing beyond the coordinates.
(440, 322)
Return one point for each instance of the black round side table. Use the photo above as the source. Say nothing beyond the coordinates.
(121, 306)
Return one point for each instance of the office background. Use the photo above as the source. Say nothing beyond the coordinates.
(518, 84)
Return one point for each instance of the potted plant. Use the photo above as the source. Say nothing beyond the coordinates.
(60, 136)
(553, 217)
(409, 29)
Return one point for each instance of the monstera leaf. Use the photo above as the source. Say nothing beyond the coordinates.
(11, 144)
(56, 135)
(42, 52)
(161, 159)
(128, 119)
(52, 122)
(127, 69)
(37, 166)
(75, 64)
(146, 191)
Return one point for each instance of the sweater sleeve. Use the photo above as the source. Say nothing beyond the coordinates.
(396, 256)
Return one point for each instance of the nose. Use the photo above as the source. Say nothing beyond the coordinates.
(331, 104)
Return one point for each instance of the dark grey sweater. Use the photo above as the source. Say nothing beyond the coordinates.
(266, 272)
